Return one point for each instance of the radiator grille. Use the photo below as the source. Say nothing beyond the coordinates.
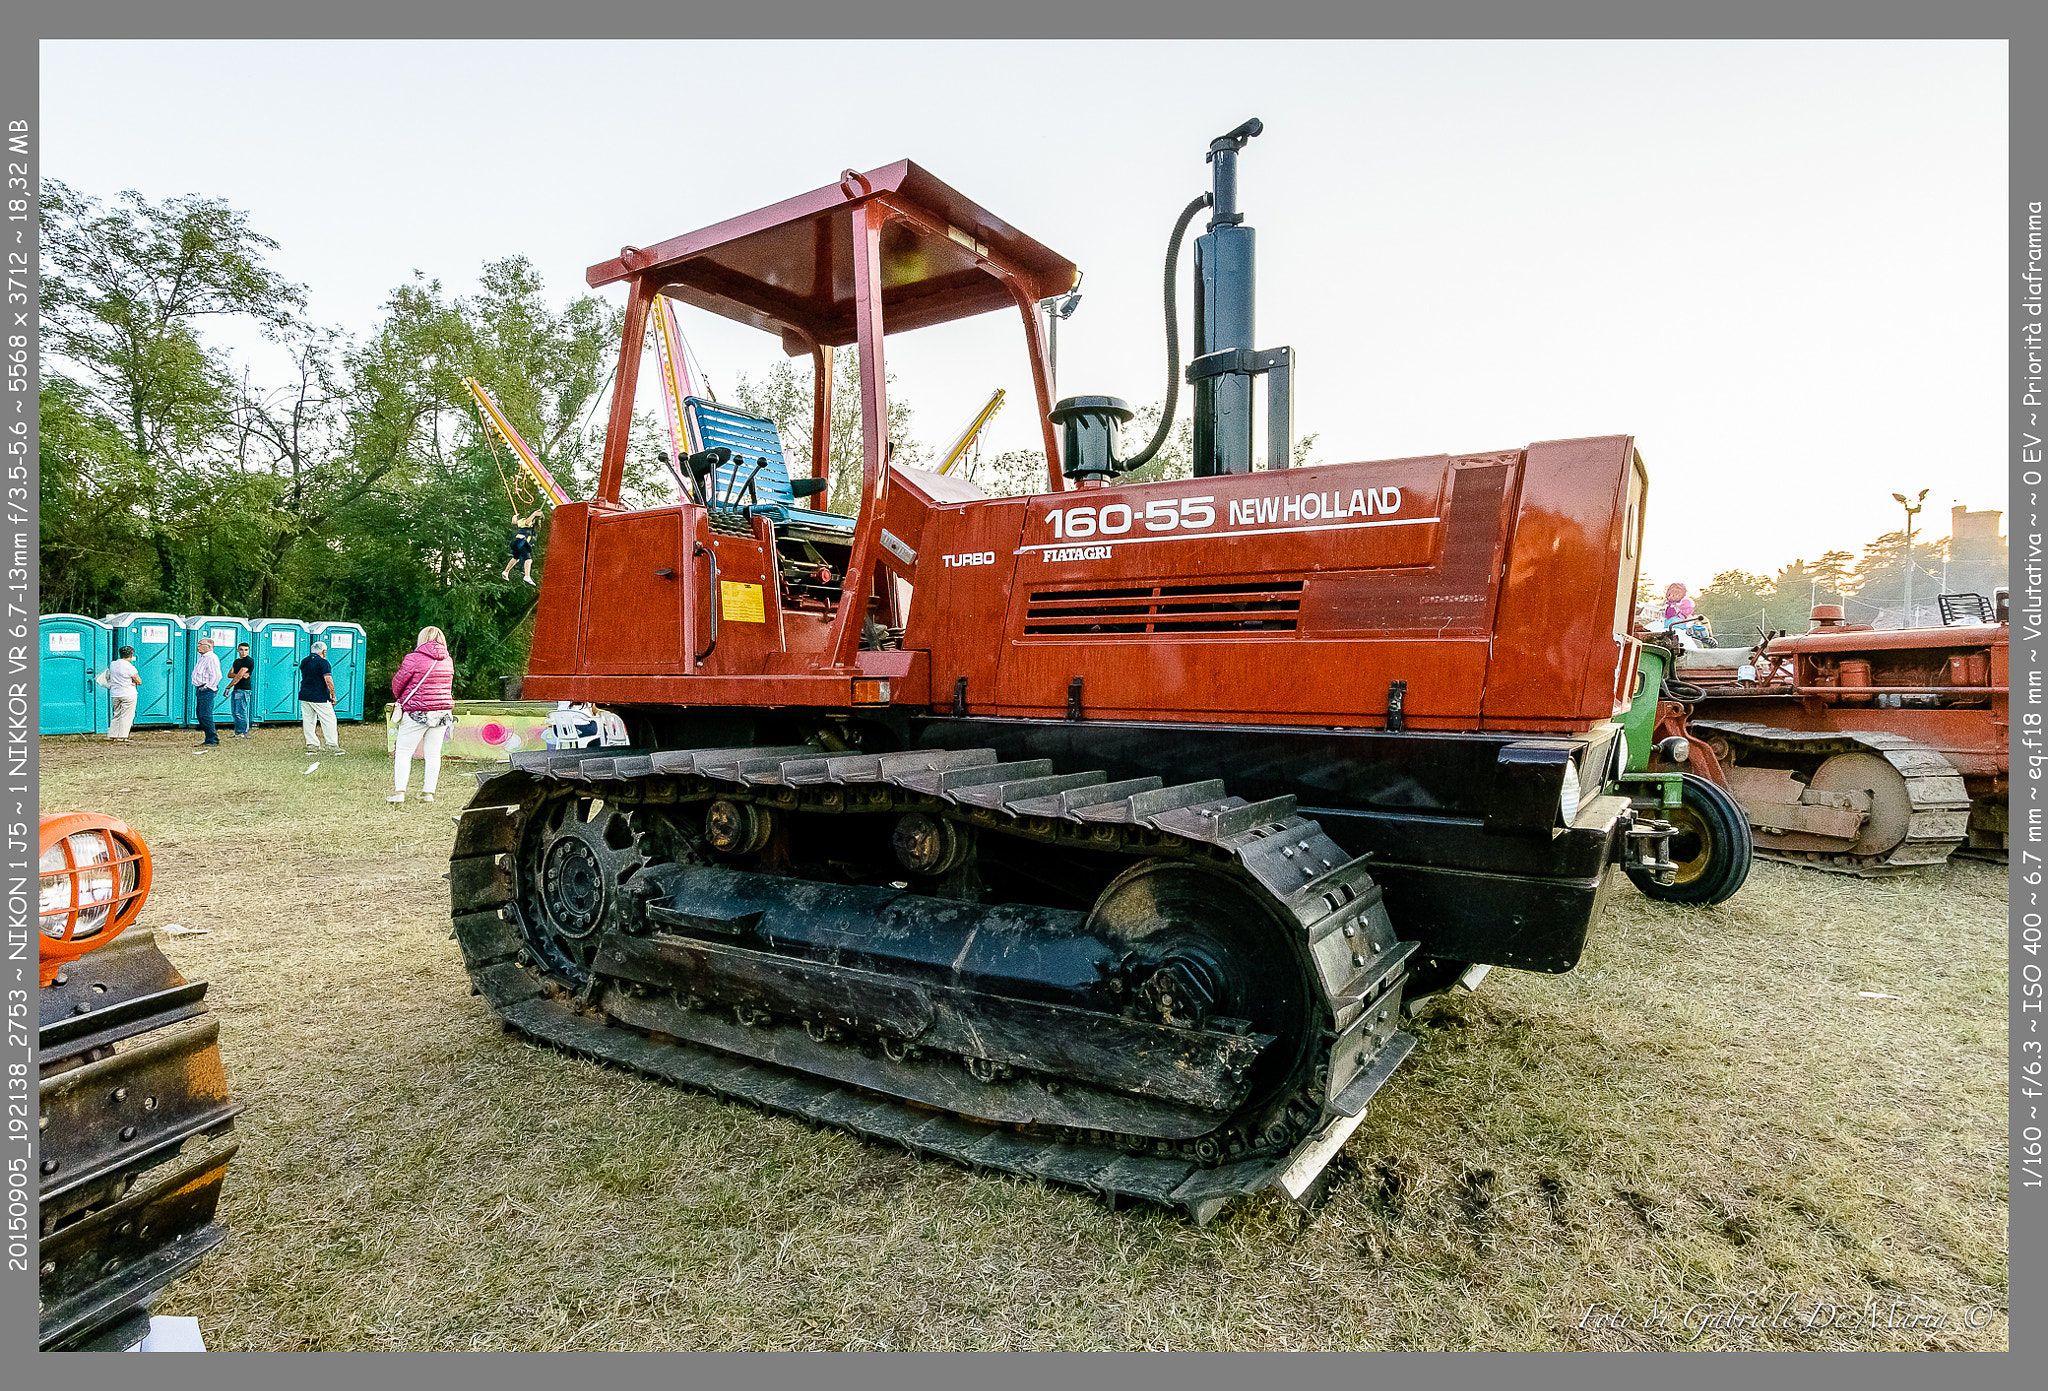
(1136, 611)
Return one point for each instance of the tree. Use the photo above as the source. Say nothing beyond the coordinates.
(785, 397)
(419, 500)
(94, 494)
(123, 289)
(1880, 578)
(1736, 604)
(1831, 573)
(289, 456)
(1013, 473)
(1794, 592)
(124, 292)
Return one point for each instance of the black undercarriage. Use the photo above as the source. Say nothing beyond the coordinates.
(1194, 993)
(1122, 956)
(1468, 854)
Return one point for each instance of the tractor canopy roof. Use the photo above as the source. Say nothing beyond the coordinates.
(788, 268)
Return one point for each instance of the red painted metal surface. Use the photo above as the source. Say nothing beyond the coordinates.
(1963, 668)
(558, 617)
(1496, 586)
(619, 428)
(1297, 595)
(632, 611)
(791, 265)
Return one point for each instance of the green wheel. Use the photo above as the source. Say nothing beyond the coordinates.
(1711, 846)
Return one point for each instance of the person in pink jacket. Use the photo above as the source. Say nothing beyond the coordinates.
(424, 687)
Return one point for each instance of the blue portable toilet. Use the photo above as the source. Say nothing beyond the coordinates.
(347, 646)
(277, 644)
(225, 632)
(74, 649)
(163, 657)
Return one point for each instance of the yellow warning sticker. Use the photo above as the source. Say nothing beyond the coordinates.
(740, 603)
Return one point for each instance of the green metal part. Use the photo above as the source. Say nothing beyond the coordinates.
(1639, 727)
(1666, 789)
(1640, 723)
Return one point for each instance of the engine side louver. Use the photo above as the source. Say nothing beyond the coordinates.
(1140, 611)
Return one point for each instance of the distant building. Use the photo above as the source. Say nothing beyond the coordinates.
(1977, 564)
(1977, 554)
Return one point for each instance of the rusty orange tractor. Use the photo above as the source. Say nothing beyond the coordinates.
(1865, 751)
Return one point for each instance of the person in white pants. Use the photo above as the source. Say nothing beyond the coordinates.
(431, 728)
(316, 700)
(424, 690)
(123, 683)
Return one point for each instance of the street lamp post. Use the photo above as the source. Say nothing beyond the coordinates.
(1058, 307)
(1912, 508)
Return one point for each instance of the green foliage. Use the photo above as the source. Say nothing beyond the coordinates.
(785, 397)
(1176, 456)
(361, 487)
(93, 494)
(123, 289)
(1013, 473)
(1880, 575)
(1736, 604)
(1831, 573)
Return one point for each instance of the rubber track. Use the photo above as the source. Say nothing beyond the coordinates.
(1940, 819)
(1324, 890)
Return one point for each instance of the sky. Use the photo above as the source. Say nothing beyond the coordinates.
(1780, 266)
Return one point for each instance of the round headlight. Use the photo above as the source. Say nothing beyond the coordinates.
(94, 873)
(1568, 796)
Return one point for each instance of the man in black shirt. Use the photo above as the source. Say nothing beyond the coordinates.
(316, 700)
(241, 673)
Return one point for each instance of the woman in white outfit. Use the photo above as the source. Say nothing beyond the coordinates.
(123, 681)
(424, 687)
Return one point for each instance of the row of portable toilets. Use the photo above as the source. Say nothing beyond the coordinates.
(75, 649)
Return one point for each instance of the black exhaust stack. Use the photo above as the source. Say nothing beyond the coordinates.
(1226, 361)
(1222, 371)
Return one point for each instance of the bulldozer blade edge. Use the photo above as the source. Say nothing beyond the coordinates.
(1206, 1022)
(132, 1090)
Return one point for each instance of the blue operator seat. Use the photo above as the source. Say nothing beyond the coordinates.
(738, 485)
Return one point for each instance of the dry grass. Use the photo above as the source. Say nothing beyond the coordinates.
(1706, 1114)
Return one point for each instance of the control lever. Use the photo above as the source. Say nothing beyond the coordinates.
(702, 464)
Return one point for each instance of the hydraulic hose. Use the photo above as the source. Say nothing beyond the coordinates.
(1144, 457)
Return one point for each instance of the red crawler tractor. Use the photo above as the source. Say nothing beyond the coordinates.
(1097, 835)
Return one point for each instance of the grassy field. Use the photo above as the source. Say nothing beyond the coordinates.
(1709, 1135)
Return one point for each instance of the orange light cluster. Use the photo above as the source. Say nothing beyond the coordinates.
(94, 878)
